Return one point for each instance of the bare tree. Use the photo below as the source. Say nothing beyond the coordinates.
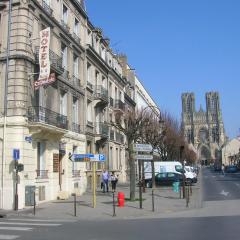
(131, 124)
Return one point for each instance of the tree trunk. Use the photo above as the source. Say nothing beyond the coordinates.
(132, 172)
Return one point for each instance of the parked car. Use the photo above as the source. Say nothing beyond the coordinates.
(165, 179)
(231, 169)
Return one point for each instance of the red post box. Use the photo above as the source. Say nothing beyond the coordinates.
(121, 199)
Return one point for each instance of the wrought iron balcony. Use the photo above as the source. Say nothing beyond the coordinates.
(42, 174)
(112, 135)
(47, 116)
(76, 128)
(102, 129)
(65, 26)
(77, 82)
(55, 60)
(101, 93)
(47, 8)
(76, 37)
(89, 127)
(89, 85)
(119, 105)
(111, 101)
(65, 74)
(75, 173)
(119, 138)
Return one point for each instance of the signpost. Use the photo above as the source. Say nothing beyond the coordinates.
(143, 147)
(146, 149)
(16, 157)
(93, 158)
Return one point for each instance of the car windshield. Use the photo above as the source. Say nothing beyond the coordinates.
(179, 168)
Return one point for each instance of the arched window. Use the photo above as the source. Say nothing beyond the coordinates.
(188, 104)
(203, 135)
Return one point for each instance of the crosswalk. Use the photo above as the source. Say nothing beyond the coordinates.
(13, 228)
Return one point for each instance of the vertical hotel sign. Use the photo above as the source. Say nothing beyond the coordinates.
(45, 77)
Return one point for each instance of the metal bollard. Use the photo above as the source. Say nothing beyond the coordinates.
(75, 204)
(34, 203)
(114, 205)
(153, 207)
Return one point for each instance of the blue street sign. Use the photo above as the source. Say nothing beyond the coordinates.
(102, 157)
(81, 157)
(28, 139)
(16, 154)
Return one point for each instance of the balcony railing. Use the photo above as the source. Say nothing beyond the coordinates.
(89, 85)
(75, 173)
(65, 74)
(76, 128)
(120, 105)
(102, 129)
(42, 174)
(111, 101)
(101, 93)
(65, 26)
(44, 115)
(76, 82)
(55, 60)
(119, 138)
(112, 135)
(76, 37)
(89, 127)
(47, 8)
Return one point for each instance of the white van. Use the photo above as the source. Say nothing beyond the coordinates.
(169, 166)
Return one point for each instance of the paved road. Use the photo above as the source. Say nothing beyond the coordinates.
(217, 187)
(201, 224)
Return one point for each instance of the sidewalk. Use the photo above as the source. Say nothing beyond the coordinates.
(166, 202)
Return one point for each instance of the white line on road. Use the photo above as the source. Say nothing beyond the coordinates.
(16, 228)
(224, 193)
(8, 237)
(31, 224)
(40, 220)
(237, 184)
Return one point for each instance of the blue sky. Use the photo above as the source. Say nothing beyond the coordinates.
(178, 46)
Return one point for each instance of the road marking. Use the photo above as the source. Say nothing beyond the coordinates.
(40, 220)
(16, 228)
(9, 237)
(31, 224)
(237, 184)
(224, 193)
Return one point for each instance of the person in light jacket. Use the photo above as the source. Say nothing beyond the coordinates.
(105, 177)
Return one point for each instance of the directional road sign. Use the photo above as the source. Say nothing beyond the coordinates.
(143, 147)
(144, 157)
(87, 157)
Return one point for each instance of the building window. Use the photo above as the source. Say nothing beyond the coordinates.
(75, 110)
(64, 55)
(64, 14)
(76, 27)
(75, 66)
(41, 164)
(63, 103)
(89, 72)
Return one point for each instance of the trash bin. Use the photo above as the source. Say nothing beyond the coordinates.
(176, 186)
(121, 199)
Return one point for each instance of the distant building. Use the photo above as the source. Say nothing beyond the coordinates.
(231, 152)
(204, 129)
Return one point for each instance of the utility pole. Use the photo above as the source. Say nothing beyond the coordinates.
(183, 174)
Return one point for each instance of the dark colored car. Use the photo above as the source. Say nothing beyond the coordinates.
(165, 179)
(231, 169)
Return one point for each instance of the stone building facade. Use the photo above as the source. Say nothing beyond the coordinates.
(73, 115)
(204, 129)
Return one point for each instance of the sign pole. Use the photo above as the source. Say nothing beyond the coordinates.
(140, 184)
(94, 184)
(16, 186)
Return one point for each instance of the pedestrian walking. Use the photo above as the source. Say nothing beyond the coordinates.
(105, 177)
(114, 180)
(223, 169)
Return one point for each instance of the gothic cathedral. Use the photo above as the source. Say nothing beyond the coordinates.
(203, 129)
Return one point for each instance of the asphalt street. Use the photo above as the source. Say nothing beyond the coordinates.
(216, 189)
